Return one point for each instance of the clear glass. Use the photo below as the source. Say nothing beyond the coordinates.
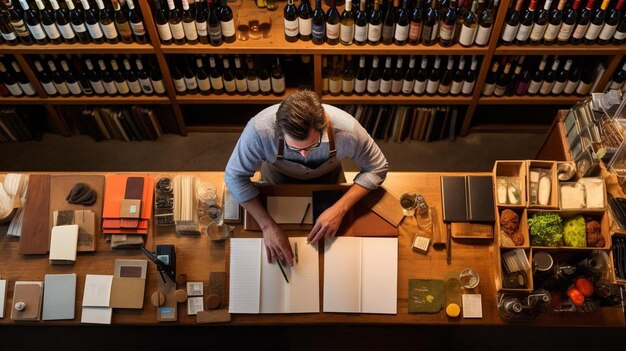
(469, 278)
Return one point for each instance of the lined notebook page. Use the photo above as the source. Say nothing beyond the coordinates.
(288, 209)
(245, 275)
(342, 274)
(303, 294)
(379, 275)
(273, 285)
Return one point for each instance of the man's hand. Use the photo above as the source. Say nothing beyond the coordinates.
(277, 245)
(326, 225)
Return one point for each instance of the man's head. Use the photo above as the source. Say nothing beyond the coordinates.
(300, 114)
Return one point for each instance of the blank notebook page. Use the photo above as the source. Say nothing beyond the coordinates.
(379, 275)
(342, 274)
(245, 275)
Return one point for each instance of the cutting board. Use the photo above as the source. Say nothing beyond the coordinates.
(35, 237)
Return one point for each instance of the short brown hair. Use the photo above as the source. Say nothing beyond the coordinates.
(300, 112)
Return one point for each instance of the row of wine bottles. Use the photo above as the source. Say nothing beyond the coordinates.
(65, 21)
(618, 81)
(565, 23)
(13, 81)
(409, 76)
(256, 75)
(467, 22)
(554, 76)
(195, 21)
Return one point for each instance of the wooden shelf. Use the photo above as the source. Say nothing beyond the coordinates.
(233, 99)
(521, 100)
(78, 48)
(506, 128)
(215, 129)
(582, 49)
(398, 99)
(88, 100)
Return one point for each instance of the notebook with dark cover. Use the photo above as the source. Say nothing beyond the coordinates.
(480, 199)
(323, 200)
(453, 198)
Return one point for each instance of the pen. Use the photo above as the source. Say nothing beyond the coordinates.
(295, 249)
(280, 265)
(305, 212)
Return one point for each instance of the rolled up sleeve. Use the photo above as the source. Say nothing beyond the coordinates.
(368, 156)
(243, 163)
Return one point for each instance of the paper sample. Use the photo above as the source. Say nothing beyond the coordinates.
(59, 296)
(97, 291)
(63, 244)
(472, 306)
(3, 296)
(288, 209)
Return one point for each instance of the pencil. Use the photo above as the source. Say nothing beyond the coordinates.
(280, 265)
(295, 247)
(305, 212)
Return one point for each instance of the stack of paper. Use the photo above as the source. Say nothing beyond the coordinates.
(3, 296)
(185, 205)
(96, 297)
(63, 243)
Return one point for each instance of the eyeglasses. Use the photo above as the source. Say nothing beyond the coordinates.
(308, 148)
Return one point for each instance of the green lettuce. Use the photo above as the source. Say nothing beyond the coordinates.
(575, 232)
(546, 229)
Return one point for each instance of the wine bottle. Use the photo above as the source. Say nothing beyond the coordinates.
(620, 31)
(415, 28)
(515, 78)
(290, 15)
(19, 25)
(360, 24)
(202, 16)
(397, 77)
(240, 77)
(582, 23)
(537, 78)
(586, 79)
(347, 77)
(83, 80)
(174, 18)
(228, 78)
(10, 82)
(572, 81)
(94, 78)
(522, 85)
(45, 80)
(446, 79)
(611, 21)
(549, 79)
(375, 25)
(107, 23)
(227, 23)
(434, 78)
(421, 78)
(325, 83)
(120, 79)
(144, 78)
(541, 23)
(462, 11)
(596, 22)
(215, 27)
(448, 26)
(569, 22)
(389, 22)
(430, 26)
(617, 82)
(470, 79)
(58, 80)
(189, 25)
(490, 81)
(7, 31)
(77, 19)
(278, 78)
(131, 78)
(561, 79)
(334, 78)
(189, 76)
(512, 23)
(318, 26)
(252, 78)
(265, 81)
(503, 81)
(554, 23)
(305, 20)
(408, 81)
(22, 80)
(385, 80)
(332, 24)
(179, 79)
(459, 75)
(360, 78)
(163, 27)
(469, 27)
(373, 79)
(92, 21)
(204, 84)
(527, 20)
(346, 27)
(156, 77)
(136, 23)
(217, 81)
(33, 22)
(485, 25)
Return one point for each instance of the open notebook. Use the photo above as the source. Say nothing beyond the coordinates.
(257, 286)
(361, 275)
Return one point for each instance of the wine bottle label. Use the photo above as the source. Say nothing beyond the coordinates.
(570, 86)
(190, 31)
(253, 85)
(74, 88)
(521, 88)
(468, 87)
(524, 32)
(122, 87)
(558, 87)
(11, 36)
(215, 33)
(431, 86)
(580, 30)
(619, 35)
(360, 33)
(325, 84)
(565, 32)
(278, 85)
(467, 35)
(229, 86)
(242, 85)
(402, 33)
(456, 87)
(66, 31)
(433, 34)
(533, 87)
(291, 27)
(109, 30)
(318, 31)
(95, 31)
(304, 25)
(446, 31)
(28, 89)
(373, 86)
(265, 85)
(488, 89)
(396, 86)
(443, 89)
(146, 86)
(346, 33)
(482, 35)
(499, 90)
(551, 32)
(178, 32)
(204, 84)
(415, 31)
(407, 86)
(139, 29)
(419, 87)
(14, 89)
(159, 87)
(347, 85)
(202, 29)
(332, 31)
(218, 84)
(87, 90)
(37, 31)
(334, 86)
(387, 32)
(373, 32)
(509, 32)
(20, 28)
(583, 88)
(537, 32)
(546, 88)
(62, 88)
(191, 83)
(360, 85)
(228, 28)
(97, 86)
(179, 85)
(49, 88)
(164, 32)
(593, 31)
(80, 28)
(134, 86)
(607, 31)
(385, 86)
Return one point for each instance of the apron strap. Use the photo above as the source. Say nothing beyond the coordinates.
(281, 149)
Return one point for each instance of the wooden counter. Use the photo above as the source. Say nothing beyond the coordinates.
(197, 256)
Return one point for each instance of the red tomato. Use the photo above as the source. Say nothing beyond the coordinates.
(585, 286)
(578, 299)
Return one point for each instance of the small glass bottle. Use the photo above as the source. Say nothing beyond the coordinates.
(424, 215)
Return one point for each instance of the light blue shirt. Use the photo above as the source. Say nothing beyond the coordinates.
(259, 142)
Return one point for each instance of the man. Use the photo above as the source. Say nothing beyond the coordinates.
(302, 141)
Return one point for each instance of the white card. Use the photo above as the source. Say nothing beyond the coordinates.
(472, 306)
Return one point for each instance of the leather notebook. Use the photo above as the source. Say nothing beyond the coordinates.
(480, 199)
(453, 199)
(35, 237)
(30, 293)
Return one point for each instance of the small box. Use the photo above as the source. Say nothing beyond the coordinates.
(130, 208)
(420, 243)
